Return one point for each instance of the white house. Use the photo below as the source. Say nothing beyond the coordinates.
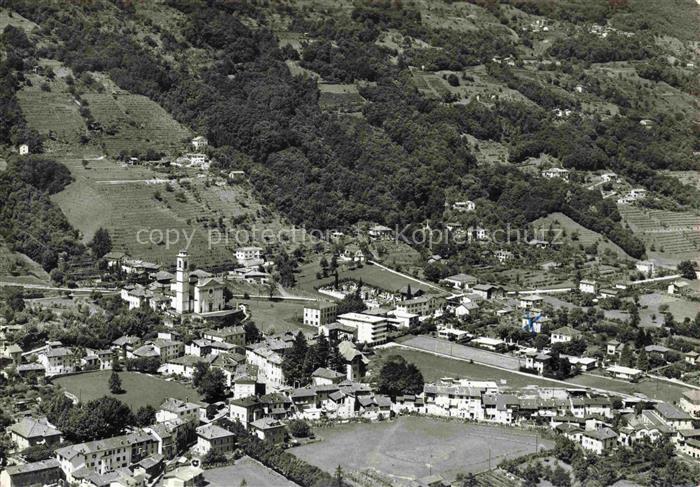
(587, 286)
(176, 409)
(245, 255)
(58, 361)
(599, 440)
(199, 143)
(211, 437)
(464, 205)
(646, 267)
(564, 334)
(23, 149)
(626, 373)
(320, 313)
(460, 281)
(556, 172)
(690, 402)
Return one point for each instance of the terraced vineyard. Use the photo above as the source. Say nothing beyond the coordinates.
(139, 123)
(673, 234)
(52, 112)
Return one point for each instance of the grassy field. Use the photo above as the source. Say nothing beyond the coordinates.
(277, 316)
(141, 389)
(652, 388)
(586, 237)
(253, 472)
(435, 367)
(410, 448)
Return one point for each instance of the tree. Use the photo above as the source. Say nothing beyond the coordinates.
(466, 480)
(100, 418)
(252, 334)
(626, 356)
(643, 360)
(294, 360)
(397, 376)
(212, 456)
(299, 428)
(687, 269)
(116, 365)
(200, 370)
(324, 266)
(146, 415)
(115, 383)
(213, 385)
(559, 477)
(185, 436)
(101, 243)
(338, 476)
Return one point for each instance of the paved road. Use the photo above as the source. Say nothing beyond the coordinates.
(53, 288)
(446, 347)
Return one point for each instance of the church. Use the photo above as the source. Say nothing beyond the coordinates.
(196, 292)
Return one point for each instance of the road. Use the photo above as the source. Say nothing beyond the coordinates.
(43, 287)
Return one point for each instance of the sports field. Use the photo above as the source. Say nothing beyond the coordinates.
(141, 389)
(412, 447)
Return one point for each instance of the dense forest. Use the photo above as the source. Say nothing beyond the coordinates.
(394, 164)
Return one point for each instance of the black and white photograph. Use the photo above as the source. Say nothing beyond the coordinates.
(349, 243)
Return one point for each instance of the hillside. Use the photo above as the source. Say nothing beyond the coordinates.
(380, 112)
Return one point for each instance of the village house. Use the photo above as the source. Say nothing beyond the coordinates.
(23, 149)
(30, 432)
(690, 402)
(248, 256)
(599, 440)
(165, 434)
(183, 366)
(529, 301)
(103, 456)
(587, 286)
(211, 437)
(460, 281)
(503, 255)
(673, 417)
(58, 361)
(488, 291)
(646, 267)
(556, 172)
(565, 334)
(688, 442)
(268, 362)
(188, 476)
(199, 143)
(423, 305)
(175, 409)
(537, 361)
(464, 205)
(45, 472)
(379, 232)
(626, 373)
(270, 430)
(323, 376)
(320, 313)
(235, 335)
